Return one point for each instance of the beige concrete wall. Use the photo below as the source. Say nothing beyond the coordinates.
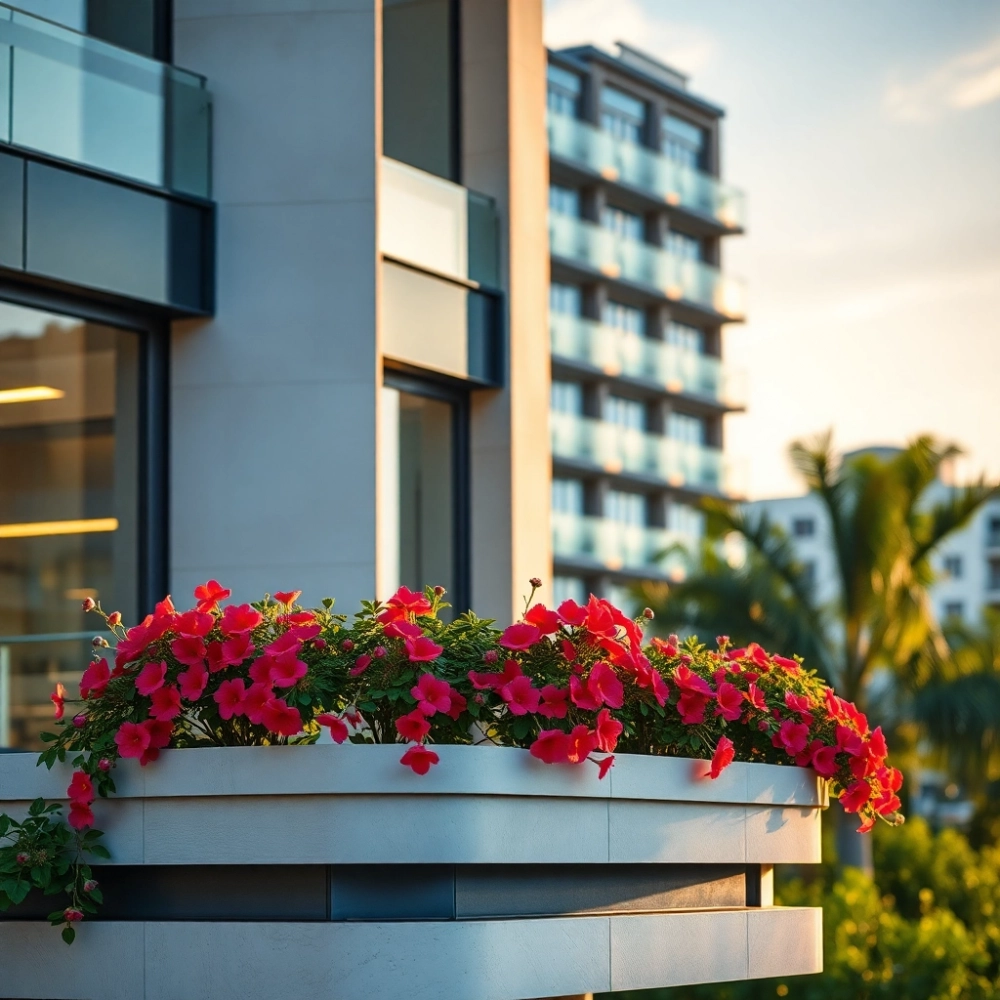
(505, 155)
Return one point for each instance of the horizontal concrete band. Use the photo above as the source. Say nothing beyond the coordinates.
(406, 892)
(432, 960)
(353, 769)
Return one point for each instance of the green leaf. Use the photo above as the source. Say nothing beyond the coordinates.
(96, 896)
(19, 892)
(68, 935)
(100, 850)
(55, 917)
(36, 807)
(4, 824)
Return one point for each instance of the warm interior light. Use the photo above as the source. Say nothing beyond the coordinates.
(30, 394)
(35, 529)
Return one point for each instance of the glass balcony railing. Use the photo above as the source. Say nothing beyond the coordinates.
(89, 102)
(645, 169)
(621, 547)
(617, 352)
(617, 449)
(616, 257)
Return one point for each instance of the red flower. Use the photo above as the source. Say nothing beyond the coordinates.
(419, 758)
(95, 679)
(692, 708)
(849, 741)
(755, 653)
(799, 703)
(604, 766)
(582, 696)
(551, 746)
(189, 650)
(824, 761)
(164, 608)
(582, 742)
(723, 756)
(413, 726)
(411, 601)
(280, 718)
(287, 597)
(572, 614)
(876, 746)
(554, 702)
(286, 670)
(151, 678)
(668, 649)
(400, 628)
(239, 618)
(58, 698)
(520, 636)
(194, 624)
(521, 696)
(600, 619)
(546, 621)
(132, 739)
(422, 650)
(71, 914)
(886, 802)
(160, 731)
(361, 664)
(688, 681)
(793, 736)
(192, 682)
(80, 816)
(209, 594)
(790, 665)
(253, 703)
(81, 789)
(235, 650)
(855, 796)
(166, 703)
(755, 696)
(230, 697)
(337, 726)
(866, 825)
(604, 685)
(433, 695)
(608, 730)
(458, 705)
(730, 701)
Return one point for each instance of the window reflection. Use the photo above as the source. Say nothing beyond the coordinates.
(68, 500)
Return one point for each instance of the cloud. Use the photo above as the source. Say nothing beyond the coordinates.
(604, 22)
(966, 81)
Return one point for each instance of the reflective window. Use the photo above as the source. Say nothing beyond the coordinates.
(622, 115)
(567, 397)
(628, 413)
(564, 299)
(625, 508)
(564, 200)
(687, 338)
(567, 496)
(803, 527)
(682, 245)
(568, 588)
(620, 221)
(683, 142)
(563, 94)
(623, 317)
(685, 427)
(69, 432)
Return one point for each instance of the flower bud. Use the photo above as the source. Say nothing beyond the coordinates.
(319, 643)
(378, 652)
(22, 858)
(90, 885)
(115, 618)
(99, 642)
(647, 613)
(535, 582)
(88, 604)
(439, 591)
(71, 914)
(104, 764)
(80, 720)
(347, 645)
(490, 656)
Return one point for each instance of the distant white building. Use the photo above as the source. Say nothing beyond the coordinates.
(966, 565)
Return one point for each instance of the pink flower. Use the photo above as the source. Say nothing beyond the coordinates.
(458, 705)
(730, 701)
(755, 696)
(824, 761)
(786, 664)
(151, 678)
(209, 594)
(81, 789)
(80, 817)
(723, 756)
(230, 697)
(520, 636)
(521, 696)
(160, 731)
(692, 707)
(58, 698)
(80, 720)
(239, 618)
(608, 730)
(604, 766)
(192, 682)
(433, 695)
(582, 696)
(188, 649)
(546, 621)
(166, 703)
(849, 741)
(419, 758)
(571, 614)
(286, 670)
(420, 649)
(855, 796)
(193, 624)
(235, 650)
(72, 915)
(413, 726)
(132, 739)
(253, 703)
(581, 743)
(552, 746)
(287, 597)
(400, 628)
(604, 685)
(280, 718)
(337, 726)
(361, 664)
(95, 679)
(793, 736)
(554, 703)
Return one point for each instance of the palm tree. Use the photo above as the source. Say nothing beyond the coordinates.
(883, 533)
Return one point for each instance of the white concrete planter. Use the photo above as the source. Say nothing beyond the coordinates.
(494, 877)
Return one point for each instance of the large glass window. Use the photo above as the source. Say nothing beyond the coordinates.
(567, 397)
(625, 508)
(424, 472)
(564, 200)
(628, 319)
(69, 480)
(686, 427)
(622, 222)
(565, 299)
(567, 496)
(622, 115)
(683, 142)
(628, 413)
(687, 338)
(682, 245)
(563, 94)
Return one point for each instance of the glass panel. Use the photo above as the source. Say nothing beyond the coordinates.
(564, 299)
(563, 91)
(687, 338)
(626, 224)
(625, 508)
(84, 100)
(564, 200)
(624, 412)
(623, 317)
(5, 58)
(622, 115)
(567, 495)
(683, 142)
(683, 246)
(684, 427)
(69, 419)
(567, 397)
(484, 240)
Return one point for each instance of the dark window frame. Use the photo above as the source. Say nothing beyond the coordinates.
(457, 396)
(153, 331)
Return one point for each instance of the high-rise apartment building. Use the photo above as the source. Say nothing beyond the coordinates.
(638, 303)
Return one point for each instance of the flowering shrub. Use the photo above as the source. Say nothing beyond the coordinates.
(572, 685)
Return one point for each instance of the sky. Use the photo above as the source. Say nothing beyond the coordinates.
(867, 138)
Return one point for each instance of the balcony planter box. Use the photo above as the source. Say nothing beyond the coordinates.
(332, 871)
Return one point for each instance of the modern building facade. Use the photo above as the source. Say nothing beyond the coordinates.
(272, 318)
(638, 304)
